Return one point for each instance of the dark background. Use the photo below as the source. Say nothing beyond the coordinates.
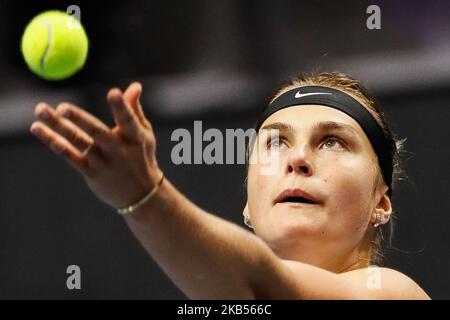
(215, 61)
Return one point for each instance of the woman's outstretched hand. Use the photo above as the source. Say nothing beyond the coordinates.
(120, 166)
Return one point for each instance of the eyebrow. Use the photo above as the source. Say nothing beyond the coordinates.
(282, 126)
(319, 126)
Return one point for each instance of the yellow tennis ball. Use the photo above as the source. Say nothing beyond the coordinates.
(54, 45)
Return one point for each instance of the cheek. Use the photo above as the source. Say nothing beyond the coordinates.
(259, 190)
(349, 183)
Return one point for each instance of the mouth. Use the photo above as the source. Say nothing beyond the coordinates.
(296, 196)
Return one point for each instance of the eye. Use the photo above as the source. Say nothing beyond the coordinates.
(332, 142)
(275, 143)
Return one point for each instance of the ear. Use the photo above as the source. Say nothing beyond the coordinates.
(383, 209)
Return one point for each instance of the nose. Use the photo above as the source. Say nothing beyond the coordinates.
(299, 161)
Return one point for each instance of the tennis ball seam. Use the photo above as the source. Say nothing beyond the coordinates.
(47, 48)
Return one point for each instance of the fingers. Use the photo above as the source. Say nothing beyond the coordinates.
(77, 137)
(132, 96)
(124, 116)
(60, 146)
(94, 127)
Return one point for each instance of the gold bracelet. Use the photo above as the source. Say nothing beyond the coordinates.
(133, 207)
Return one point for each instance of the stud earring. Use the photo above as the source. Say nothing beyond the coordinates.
(381, 219)
(378, 219)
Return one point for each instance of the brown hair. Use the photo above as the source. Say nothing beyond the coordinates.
(383, 236)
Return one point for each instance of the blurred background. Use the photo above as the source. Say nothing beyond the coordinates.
(219, 62)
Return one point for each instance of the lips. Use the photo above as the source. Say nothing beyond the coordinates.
(296, 196)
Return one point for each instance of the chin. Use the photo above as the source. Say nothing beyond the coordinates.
(294, 234)
(301, 228)
(297, 221)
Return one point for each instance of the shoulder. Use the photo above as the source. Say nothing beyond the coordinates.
(385, 283)
(297, 280)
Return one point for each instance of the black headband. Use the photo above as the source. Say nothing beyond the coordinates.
(384, 147)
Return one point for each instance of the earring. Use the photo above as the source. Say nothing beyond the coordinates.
(247, 222)
(378, 219)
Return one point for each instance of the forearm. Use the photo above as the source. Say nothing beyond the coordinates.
(204, 255)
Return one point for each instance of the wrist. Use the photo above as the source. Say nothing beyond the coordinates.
(157, 178)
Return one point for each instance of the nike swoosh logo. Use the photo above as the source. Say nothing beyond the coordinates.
(299, 95)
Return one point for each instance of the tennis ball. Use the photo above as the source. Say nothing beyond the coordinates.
(54, 45)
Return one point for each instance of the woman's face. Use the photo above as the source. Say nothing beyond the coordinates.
(325, 153)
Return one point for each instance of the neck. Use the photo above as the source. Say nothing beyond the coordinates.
(358, 259)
